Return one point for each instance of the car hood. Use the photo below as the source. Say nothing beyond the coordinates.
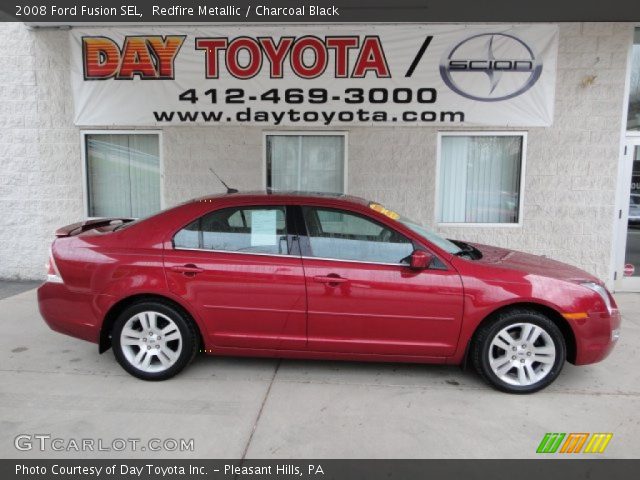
(533, 264)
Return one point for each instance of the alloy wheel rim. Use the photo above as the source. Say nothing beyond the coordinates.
(522, 354)
(151, 342)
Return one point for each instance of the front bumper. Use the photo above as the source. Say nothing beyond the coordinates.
(596, 336)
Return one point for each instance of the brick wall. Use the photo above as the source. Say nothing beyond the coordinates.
(571, 168)
(40, 169)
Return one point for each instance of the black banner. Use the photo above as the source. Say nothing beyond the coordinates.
(319, 469)
(63, 12)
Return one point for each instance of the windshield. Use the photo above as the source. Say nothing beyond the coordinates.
(428, 234)
(431, 236)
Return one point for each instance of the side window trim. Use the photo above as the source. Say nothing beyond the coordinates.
(200, 233)
(294, 231)
(304, 246)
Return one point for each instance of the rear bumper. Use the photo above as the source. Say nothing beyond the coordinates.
(596, 336)
(72, 313)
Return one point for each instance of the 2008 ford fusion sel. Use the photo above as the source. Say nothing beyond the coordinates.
(296, 275)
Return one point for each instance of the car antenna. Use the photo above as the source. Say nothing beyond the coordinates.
(229, 189)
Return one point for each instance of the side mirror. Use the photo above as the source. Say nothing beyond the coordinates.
(420, 260)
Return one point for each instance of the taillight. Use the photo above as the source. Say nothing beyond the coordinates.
(53, 275)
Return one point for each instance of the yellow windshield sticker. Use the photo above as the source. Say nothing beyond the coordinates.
(385, 211)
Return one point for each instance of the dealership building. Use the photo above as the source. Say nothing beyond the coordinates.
(525, 136)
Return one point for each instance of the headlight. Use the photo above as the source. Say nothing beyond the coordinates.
(600, 290)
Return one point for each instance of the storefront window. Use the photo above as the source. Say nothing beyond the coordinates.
(123, 174)
(633, 117)
(305, 162)
(480, 178)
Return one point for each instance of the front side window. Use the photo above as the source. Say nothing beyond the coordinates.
(310, 163)
(238, 229)
(123, 174)
(480, 178)
(341, 235)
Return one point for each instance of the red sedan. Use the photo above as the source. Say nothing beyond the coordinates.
(322, 277)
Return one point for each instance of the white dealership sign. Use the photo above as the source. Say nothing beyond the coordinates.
(325, 75)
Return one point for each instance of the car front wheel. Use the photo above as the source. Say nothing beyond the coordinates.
(522, 351)
(153, 340)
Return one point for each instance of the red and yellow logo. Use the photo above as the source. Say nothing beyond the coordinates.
(149, 57)
(574, 443)
(152, 57)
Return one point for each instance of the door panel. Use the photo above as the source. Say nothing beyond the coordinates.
(246, 300)
(242, 271)
(382, 309)
(365, 298)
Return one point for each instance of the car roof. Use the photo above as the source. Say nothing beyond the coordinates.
(293, 195)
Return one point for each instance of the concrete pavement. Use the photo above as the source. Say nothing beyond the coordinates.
(266, 408)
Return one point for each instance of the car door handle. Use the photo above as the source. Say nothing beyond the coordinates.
(330, 279)
(188, 269)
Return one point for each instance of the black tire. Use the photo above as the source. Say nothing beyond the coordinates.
(481, 343)
(184, 324)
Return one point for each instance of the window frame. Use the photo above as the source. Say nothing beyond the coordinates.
(85, 170)
(627, 92)
(305, 242)
(307, 133)
(481, 133)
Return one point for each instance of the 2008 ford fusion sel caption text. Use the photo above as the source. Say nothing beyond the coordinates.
(296, 275)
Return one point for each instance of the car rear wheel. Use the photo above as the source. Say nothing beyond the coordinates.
(522, 351)
(153, 340)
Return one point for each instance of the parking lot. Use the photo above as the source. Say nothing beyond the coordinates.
(269, 408)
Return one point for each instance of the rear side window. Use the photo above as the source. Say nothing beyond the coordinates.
(336, 234)
(239, 229)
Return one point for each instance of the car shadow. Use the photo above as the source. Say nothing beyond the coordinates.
(338, 372)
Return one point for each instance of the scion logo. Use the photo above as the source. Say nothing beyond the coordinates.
(490, 67)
